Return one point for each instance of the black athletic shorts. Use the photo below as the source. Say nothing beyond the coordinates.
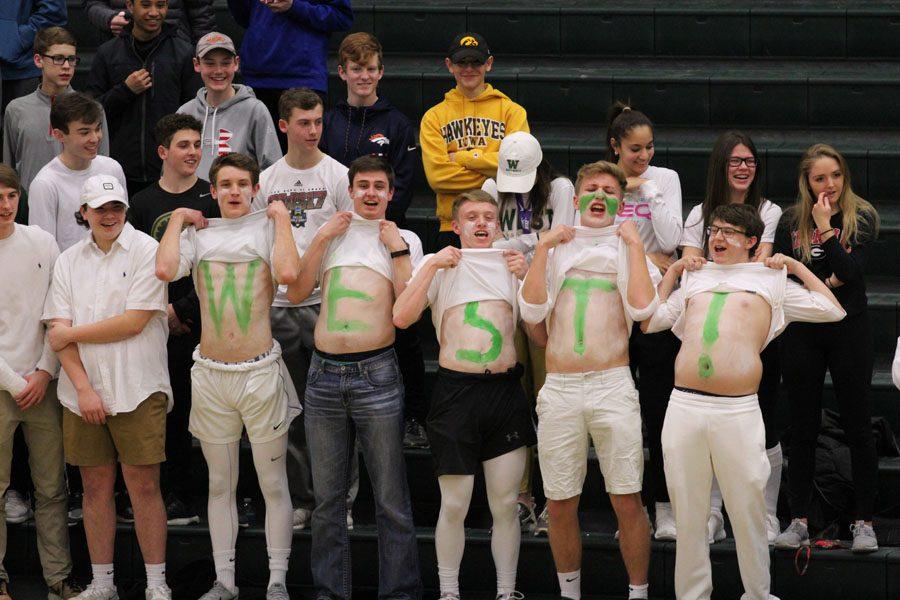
(475, 417)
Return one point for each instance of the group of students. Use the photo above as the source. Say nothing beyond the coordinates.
(292, 291)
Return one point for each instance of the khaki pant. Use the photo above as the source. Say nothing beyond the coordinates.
(42, 426)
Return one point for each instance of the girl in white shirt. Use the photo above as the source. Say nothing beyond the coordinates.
(734, 177)
(653, 201)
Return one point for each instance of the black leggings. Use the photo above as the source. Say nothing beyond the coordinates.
(652, 357)
(768, 391)
(845, 349)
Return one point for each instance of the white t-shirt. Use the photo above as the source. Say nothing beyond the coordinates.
(238, 240)
(482, 274)
(90, 286)
(560, 209)
(692, 237)
(55, 196)
(27, 259)
(789, 300)
(596, 250)
(655, 208)
(361, 246)
(312, 196)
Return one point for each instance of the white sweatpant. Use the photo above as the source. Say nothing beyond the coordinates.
(703, 435)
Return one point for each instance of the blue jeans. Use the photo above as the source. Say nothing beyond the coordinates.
(344, 400)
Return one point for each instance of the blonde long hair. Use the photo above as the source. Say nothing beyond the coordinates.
(853, 207)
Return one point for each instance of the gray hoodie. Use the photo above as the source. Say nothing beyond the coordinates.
(241, 124)
(28, 144)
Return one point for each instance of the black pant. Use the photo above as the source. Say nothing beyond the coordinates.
(652, 357)
(175, 474)
(845, 349)
(408, 346)
(768, 391)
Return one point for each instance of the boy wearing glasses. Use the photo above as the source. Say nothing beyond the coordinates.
(28, 142)
(725, 313)
(460, 137)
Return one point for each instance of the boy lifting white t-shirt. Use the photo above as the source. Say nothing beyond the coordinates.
(238, 379)
(472, 294)
(725, 314)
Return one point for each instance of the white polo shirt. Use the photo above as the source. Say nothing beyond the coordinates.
(90, 286)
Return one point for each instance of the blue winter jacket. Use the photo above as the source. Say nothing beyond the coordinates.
(288, 50)
(19, 22)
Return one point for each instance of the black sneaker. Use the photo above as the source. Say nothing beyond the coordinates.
(124, 512)
(415, 436)
(179, 513)
(75, 513)
(246, 513)
(66, 589)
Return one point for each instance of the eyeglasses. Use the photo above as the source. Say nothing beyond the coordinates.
(59, 60)
(735, 161)
(729, 232)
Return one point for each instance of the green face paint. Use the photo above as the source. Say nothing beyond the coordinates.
(474, 356)
(711, 333)
(612, 205)
(585, 200)
(242, 306)
(335, 292)
(581, 288)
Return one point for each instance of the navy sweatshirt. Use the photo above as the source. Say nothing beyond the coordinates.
(351, 132)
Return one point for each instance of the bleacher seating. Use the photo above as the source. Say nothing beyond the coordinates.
(790, 73)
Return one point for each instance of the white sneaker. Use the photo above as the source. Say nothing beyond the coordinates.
(773, 528)
(93, 592)
(220, 592)
(715, 527)
(160, 592)
(665, 522)
(302, 518)
(349, 521)
(18, 510)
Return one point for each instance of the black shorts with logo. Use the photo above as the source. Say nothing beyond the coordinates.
(475, 417)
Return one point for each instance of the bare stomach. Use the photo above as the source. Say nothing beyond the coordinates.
(587, 330)
(724, 334)
(234, 309)
(356, 311)
(477, 337)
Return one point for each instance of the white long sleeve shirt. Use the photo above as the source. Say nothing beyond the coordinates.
(655, 208)
(27, 260)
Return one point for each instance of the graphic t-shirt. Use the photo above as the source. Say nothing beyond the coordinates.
(655, 208)
(312, 196)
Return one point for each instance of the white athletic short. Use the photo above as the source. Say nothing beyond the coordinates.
(226, 397)
(602, 405)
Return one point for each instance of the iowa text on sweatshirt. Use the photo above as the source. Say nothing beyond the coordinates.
(473, 130)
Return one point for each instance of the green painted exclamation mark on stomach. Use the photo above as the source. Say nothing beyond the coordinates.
(471, 318)
(711, 333)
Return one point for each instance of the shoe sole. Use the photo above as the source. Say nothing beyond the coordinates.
(18, 520)
(664, 538)
(864, 550)
(183, 521)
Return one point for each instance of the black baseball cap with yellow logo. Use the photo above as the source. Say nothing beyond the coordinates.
(469, 45)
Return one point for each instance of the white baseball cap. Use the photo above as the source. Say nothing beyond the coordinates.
(100, 189)
(520, 155)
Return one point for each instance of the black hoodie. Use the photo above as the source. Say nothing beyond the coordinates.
(131, 118)
(351, 132)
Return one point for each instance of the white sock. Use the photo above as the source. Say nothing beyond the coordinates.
(773, 485)
(638, 591)
(278, 565)
(224, 562)
(715, 497)
(448, 580)
(570, 584)
(156, 575)
(103, 576)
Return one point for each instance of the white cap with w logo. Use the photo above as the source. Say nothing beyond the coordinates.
(520, 155)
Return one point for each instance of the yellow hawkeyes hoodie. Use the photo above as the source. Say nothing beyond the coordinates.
(473, 130)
